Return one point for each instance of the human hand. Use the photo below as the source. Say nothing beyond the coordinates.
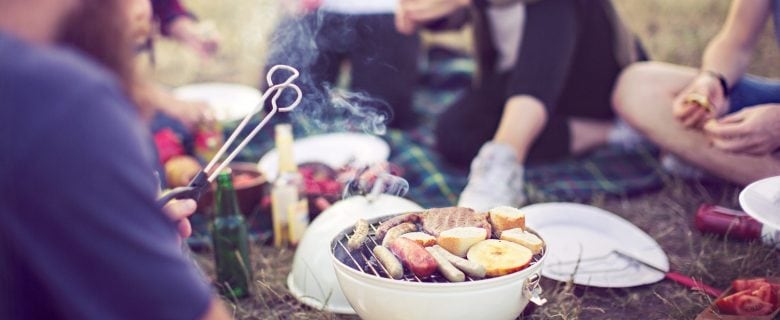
(178, 211)
(200, 36)
(753, 130)
(702, 100)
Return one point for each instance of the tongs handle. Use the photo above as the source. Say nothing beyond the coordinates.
(197, 187)
(200, 183)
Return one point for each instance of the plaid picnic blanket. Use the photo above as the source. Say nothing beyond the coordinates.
(605, 172)
(608, 171)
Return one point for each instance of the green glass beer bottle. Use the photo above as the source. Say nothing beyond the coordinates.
(231, 241)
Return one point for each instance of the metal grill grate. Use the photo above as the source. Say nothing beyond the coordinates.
(364, 260)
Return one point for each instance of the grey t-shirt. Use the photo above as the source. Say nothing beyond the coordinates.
(80, 234)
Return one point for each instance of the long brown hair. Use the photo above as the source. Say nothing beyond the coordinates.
(100, 29)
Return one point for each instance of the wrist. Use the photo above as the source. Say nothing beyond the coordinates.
(721, 79)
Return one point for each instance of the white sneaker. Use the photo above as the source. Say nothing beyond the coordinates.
(678, 167)
(496, 179)
(625, 136)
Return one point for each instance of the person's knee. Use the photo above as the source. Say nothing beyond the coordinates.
(637, 84)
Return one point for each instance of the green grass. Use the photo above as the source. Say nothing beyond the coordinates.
(673, 30)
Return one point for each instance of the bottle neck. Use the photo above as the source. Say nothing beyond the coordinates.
(284, 145)
(226, 199)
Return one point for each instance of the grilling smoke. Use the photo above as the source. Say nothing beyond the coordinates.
(325, 107)
(375, 180)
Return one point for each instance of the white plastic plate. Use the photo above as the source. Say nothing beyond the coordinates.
(580, 240)
(230, 102)
(761, 200)
(334, 149)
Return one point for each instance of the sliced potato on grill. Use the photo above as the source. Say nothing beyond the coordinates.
(500, 257)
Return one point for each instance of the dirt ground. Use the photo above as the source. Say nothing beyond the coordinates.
(673, 31)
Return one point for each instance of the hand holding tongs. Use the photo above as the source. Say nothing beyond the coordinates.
(200, 183)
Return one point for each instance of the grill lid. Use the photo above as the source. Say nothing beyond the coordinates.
(313, 279)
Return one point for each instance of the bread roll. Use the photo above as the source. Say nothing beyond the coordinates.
(523, 238)
(424, 239)
(458, 240)
(505, 218)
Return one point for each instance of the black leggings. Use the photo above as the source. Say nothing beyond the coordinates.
(566, 60)
(383, 61)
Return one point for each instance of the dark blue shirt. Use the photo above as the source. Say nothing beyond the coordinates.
(80, 234)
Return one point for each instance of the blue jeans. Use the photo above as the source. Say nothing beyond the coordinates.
(753, 90)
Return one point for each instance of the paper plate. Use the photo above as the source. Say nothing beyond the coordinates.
(581, 240)
(230, 102)
(761, 200)
(334, 149)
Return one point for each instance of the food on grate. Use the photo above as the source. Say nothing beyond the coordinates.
(459, 240)
(392, 222)
(414, 257)
(434, 221)
(359, 236)
(446, 268)
(473, 269)
(394, 268)
(523, 238)
(505, 218)
(500, 257)
(424, 239)
(398, 231)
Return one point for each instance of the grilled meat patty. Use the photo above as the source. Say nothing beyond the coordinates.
(434, 221)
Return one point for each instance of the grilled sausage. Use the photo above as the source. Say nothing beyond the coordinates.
(414, 257)
(397, 231)
(359, 236)
(384, 227)
(445, 267)
(394, 268)
(473, 269)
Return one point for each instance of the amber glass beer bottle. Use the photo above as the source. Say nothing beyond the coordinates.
(231, 241)
(288, 197)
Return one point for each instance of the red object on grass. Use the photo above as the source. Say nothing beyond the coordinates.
(753, 297)
(693, 284)
(724, 221)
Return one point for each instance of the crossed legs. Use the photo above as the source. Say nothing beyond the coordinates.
(643, 97)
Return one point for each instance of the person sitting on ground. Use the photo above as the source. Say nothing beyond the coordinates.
(715, 118)
(542, 91)
(81, 234)
(318, 37)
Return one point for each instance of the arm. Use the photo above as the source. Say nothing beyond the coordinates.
(90, 226)
(730, 51)
(181, 25)
(726, 56)
(168, 11)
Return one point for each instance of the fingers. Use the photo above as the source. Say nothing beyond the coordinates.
(185, 228)
(180, 209)
(403, 24)
(724, 129)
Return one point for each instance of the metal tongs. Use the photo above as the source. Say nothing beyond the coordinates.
(201, 182)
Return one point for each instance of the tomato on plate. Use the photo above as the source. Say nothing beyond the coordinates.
(744, 303)
(745, 284)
